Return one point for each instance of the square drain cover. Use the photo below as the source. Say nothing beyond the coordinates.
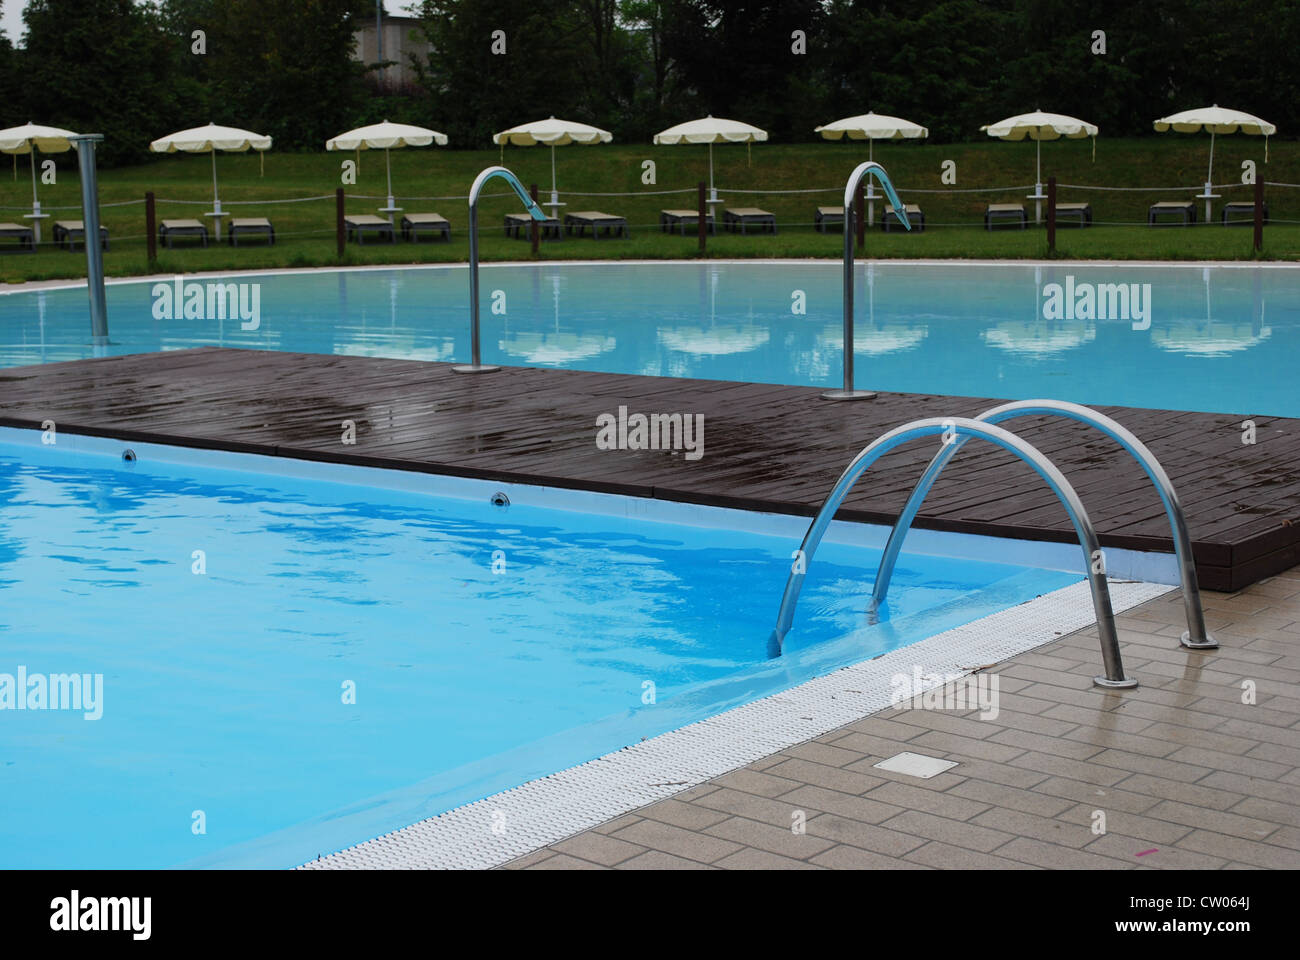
(916, 765)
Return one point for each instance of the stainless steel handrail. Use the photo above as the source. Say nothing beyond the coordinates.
(475, 366)
(850, 189)
(1195, 636)
(962, 426)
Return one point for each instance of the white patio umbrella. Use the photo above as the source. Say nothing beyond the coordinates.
(1040, 126)
(210, 139)
(385, 136)
(872, 127)
(711, 130)
(29, 138)
(1215, 120)
(553, 133)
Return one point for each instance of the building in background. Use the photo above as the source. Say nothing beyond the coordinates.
(398, 39)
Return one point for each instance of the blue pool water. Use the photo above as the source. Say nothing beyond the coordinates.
(1220, 338)
(1217, 338)
(223, 691)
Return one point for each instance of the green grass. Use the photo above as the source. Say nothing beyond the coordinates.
(305, 231)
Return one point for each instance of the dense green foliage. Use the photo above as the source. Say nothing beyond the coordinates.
(128, 68)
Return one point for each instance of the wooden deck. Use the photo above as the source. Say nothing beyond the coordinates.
(766, 447)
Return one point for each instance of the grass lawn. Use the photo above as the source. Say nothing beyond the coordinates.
(305, 231)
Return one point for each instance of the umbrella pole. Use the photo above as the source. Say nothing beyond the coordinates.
(555, 194)
(388, 165)
(713, 193)
(36, 204)
(1209, 179)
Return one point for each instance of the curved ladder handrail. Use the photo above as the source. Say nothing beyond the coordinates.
(1008, 441)
(1195, 637)
(488, 173)
(850, 231)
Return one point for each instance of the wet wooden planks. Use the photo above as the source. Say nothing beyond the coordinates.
(765, 447)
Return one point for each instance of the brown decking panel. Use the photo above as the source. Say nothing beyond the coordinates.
(766, 447)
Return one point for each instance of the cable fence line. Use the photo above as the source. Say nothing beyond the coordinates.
(243, 203)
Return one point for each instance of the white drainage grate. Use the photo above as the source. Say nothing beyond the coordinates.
(915, 765)
(510, 824)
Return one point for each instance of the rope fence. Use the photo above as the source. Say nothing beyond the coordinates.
(1044, 213)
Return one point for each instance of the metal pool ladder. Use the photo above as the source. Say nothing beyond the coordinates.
(956, 432)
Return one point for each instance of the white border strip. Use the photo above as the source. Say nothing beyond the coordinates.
(44, 285)
(548, 810)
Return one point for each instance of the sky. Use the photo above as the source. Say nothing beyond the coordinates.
(12, 20)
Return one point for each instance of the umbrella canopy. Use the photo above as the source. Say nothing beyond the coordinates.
(1042, 126)
(1215, 120)
(31, 137)
(385, 136)
(552, 132)
(210, 139)
(872, 127)
(711, 130)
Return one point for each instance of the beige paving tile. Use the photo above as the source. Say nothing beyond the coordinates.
(658, 860)
(760, 782)
(953, 747)
(1149, 829)
(666, 838)
(1240, 850)
(752, 859)
(774, 839)
(1056, 857)
(1112, 797)
(969, 835)
(942, 804)
(818, 774)
(562, 862)
(598, 848)
(944, 856)
(1052, 830)
(843, 804)
(1156, 857)
(690, 816)
(1216, 821)
(865, 835)
(1026, 801)
(845, 857)
(1200, 794)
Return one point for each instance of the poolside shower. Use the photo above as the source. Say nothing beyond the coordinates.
(850, 191)
(475, 365)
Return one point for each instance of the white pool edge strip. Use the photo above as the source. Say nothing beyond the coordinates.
(36, 286)
(510, 824)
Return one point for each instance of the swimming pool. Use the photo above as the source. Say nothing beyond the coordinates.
(1210, 338)
(297, 657)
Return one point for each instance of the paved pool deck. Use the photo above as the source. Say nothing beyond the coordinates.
(1186, 774)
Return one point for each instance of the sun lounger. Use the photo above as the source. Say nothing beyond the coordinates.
(825, 216)
(517, 226)
(668, 219)
(1244, 207)
(414, 223)
(582, 219)
(72, 232)
(915, 217)
(1013, 212)
(744, 217)
(358, 225)
(1074, 211)
(250, 225)
(1185, 210)
(24, 235)
(168, 230)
